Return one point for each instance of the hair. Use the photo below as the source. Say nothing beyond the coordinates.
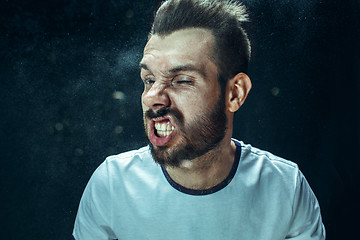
(231, 50)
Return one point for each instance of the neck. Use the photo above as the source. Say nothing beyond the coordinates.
(206, 171)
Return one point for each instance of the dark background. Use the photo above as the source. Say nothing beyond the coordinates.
(70, 96)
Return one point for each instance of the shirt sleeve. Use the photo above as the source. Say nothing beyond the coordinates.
(306, 221)
(91, 220)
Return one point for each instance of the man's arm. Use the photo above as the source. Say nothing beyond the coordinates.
(92, 220)
(306, 222)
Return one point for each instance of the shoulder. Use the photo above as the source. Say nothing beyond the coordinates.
(130, 157)
(254, 156)
(117, 166)
(262, 168)
(107, 183)
(268, 175)
(282, 183)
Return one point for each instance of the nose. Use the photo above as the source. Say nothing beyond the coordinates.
(156, 96)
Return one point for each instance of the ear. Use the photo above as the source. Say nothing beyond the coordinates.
(237, 89)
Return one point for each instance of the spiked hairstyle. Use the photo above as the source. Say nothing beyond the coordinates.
(231, 50)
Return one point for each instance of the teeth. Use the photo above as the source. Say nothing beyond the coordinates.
(164, 129)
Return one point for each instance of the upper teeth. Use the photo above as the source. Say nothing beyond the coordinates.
(164, 129)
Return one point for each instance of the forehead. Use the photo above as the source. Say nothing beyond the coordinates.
(186, 46)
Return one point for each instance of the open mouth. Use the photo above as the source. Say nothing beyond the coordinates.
(161, 131)
(163, 128)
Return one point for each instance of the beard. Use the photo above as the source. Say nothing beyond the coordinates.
(202, 134)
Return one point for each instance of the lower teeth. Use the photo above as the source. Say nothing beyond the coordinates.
(163, 134)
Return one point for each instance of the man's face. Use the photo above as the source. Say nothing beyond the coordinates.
(184, 109)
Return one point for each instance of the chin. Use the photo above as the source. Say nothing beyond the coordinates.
(162, 155)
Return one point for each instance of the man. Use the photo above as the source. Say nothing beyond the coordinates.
(194, 181)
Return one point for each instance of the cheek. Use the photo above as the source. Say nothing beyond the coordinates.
(142, 96)
(193, 106)
(143, 105)
(146, 126)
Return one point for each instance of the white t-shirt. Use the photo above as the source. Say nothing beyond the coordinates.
(130, 197)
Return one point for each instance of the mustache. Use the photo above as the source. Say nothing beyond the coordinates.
(164, 111)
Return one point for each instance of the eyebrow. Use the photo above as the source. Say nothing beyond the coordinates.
(185, 67)
(143, 66)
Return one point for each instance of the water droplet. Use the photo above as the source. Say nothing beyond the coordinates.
(275, 91)
(118, 95)
(59, 126)
(119, 129)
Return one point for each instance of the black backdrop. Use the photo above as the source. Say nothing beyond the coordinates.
(70, 96)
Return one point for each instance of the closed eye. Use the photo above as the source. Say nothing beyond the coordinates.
(182, 80)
